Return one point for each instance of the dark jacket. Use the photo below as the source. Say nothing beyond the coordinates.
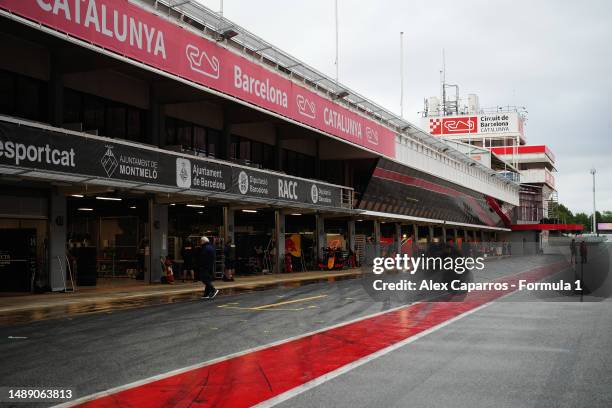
(187, 255)
(230, 252)
(206, 261)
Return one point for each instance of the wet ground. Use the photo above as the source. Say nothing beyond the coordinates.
(109, 298)
(521, 351)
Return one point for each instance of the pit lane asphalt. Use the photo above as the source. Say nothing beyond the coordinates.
(96, 352)
(509, 354)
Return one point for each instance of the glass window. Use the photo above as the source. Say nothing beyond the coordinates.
(245, 150)
(135, 127)
(257, 153)
(184, 134)
(268, 157)
(171, 132)
(213, 137)
(115, 120)
(288, 161)
(93, 114)
(72, 106)
(7, 92)
(235, 148)
(199, 140)
(23, 96)
(30, 100)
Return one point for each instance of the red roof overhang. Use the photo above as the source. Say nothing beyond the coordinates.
(547, 227)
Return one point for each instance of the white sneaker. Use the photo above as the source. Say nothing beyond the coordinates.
(212, 296)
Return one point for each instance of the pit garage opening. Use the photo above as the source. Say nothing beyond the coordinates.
(107, 238)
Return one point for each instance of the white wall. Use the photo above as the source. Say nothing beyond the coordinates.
(421, 157)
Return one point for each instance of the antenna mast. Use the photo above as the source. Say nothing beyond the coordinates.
(336, 4)
(402, 74)
(449, 107)
(443, 83)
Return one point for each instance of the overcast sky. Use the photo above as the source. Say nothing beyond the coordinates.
(553, 57)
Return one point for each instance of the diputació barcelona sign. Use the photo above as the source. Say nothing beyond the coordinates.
(131, 31)
(32, 148)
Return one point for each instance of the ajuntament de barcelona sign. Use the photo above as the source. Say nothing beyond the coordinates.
(98, 157)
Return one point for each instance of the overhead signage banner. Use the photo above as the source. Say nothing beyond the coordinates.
(36, 149)
(131, 31)
(485, 124)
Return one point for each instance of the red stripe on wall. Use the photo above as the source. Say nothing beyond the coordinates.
(547, 227)
(258, 376)
(436, 188)
(523, 150)
(416, 182)
(185, 54)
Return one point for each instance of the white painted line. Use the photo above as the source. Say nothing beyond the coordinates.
(219, 359)
(304, 387)
(346, 368)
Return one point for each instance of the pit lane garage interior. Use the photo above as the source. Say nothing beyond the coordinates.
(54, 89)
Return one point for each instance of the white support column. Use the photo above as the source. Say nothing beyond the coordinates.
(377, 237)
(351, 235)
(57, 241)
(321, 237)
(158, 240)
(398, 237)
(228, 224)
(279, 232)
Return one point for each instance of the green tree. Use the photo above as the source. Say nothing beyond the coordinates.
(584, 219)
(564, 214)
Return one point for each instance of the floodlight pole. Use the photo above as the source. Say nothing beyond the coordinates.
(402, 74)
(593, 171)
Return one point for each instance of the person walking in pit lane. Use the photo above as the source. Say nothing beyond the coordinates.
(206, 268)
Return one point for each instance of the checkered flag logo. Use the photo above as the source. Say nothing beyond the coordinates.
(435, 126)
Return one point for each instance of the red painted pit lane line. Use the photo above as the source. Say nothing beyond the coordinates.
(252, 378)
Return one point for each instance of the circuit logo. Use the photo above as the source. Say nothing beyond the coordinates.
(450, 126)
(200, 62)
(306, 107)
(371, 136)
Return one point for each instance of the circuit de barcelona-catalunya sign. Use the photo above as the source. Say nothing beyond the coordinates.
(129, 30)
(102, 158)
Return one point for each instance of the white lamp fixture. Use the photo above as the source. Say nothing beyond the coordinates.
(108, 198)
